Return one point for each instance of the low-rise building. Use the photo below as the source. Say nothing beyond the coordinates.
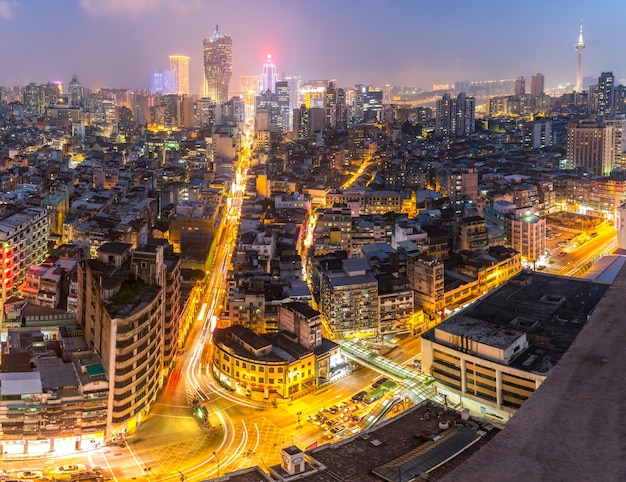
(492, 356)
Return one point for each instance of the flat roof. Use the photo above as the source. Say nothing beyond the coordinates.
(569, 429)
(486, 333)
(550, 309)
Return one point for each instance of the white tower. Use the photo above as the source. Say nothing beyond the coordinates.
(580, 46)
(268, 77)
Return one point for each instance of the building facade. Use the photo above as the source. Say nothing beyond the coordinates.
(218, 64)
(122, 308)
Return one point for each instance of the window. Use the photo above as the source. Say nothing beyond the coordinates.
(271, 369)
(271, 381)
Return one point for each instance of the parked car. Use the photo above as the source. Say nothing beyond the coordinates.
(357, 397)
(330, 423)
(69, 469)
(335, 431)
(379, 382)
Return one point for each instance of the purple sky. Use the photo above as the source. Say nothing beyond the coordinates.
(116, 43)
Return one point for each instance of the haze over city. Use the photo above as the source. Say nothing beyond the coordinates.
(116, 43)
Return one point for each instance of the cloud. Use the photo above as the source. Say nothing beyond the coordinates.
(135, 7)
(6, 9)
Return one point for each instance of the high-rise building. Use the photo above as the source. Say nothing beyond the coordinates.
(23, 234)
(580, 46)
(162, 82)
(605, 95)
(179, 64)
(249, 87)
(75, 92)
(595, 145)
(130, 316)
(536, 85)
(455, 116)
(268, 77)
(218, 64)
(283, 95)
(520, 85)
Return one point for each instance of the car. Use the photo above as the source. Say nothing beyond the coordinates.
(379, 382)
(334, 409)
(30, 474)
(321, 419)
(357, 397)
(69, 469)
(562, 253)
(593, 235)
(335, 431)
(330, 424)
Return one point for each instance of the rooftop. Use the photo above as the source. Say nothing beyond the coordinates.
(569, 429)
(551, 310)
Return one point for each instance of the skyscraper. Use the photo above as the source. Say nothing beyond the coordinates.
(536, 85)
(580, 46)
(605, 92)
(162, 81)
(268, 77)
(179, 64)
(218, 63)
(455, 116)
(520, 86)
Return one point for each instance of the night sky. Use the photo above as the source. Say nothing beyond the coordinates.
(116, 43)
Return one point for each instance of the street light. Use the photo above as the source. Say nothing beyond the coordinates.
(218, 464)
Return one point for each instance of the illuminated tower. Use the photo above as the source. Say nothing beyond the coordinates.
(268, 77)
(580, 46)
(179, 64)
(218, 64)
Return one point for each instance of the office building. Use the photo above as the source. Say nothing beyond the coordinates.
(218, 64)
(536, 85)
(179, 65)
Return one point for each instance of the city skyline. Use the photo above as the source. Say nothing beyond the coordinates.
(407, 40)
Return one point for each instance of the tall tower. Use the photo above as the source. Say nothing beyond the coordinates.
(268, 77)
(536, 85)
(218, 64)
(580, 46)
(179, 64)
